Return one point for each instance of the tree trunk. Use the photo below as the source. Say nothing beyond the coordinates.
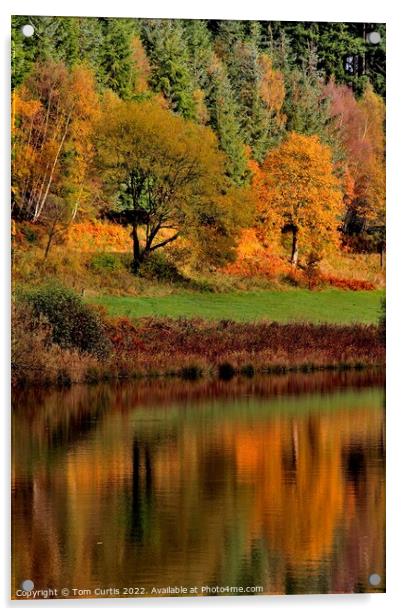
(295, 248)
(52, 233)
(137, 255)
(42, 200)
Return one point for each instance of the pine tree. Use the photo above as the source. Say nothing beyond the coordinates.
(229, 33)
(254, 33)
(246, 73)
(165, 43)
(116, 66)
(199, 44)
(308, 111)
(224, 120)
(22, 51)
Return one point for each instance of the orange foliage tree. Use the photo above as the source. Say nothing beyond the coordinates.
(297, 191)
(272, 90)
(360, 125)
(53, 115)
(370, 189)
(142, 65)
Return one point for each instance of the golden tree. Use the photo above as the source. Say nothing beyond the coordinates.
(53, 115)
(166, 179)
(298, 192)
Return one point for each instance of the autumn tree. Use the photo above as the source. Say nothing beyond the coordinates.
(371, 184)
(166, 178)
(299, 193)
(53, 115)
(360, 124)
(142, 66)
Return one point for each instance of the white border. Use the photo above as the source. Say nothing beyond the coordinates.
(307, 10)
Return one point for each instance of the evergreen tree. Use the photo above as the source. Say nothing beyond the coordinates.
(165, 43)
(224, 120)
(245, 72)
(116, 66)
(104, 44)
(39, 47)
(335, 41)
(308, 111)
(228, 34)
(22, 51)
(254, 33)
(199, 45)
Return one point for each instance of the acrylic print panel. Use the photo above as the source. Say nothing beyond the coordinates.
(198, 218)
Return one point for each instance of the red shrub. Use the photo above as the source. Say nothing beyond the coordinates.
(347, 283)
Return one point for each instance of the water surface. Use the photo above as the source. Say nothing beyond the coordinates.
(270, 484)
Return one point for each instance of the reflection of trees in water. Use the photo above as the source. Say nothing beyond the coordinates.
(294, 503)
(141, 502)
(309, 506)
(61, 412)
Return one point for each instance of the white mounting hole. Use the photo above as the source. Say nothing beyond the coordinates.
(374, 38)
(28, 30)
(374, 579)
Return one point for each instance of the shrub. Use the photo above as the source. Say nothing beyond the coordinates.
(312, 270)
(351, 284)
(202, 286)
(158, 267)
(226, 371)
(294, 278)
(63, 378)
(191, 373)
(248, 370)
(73, 324)
(35, 360)
(29, 233)
(104, 261)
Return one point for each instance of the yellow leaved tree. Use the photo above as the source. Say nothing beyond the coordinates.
(298, 192)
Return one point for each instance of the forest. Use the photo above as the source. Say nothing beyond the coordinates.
(165, 170)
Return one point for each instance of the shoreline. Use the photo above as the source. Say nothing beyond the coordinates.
(349, 371)
(193, 348)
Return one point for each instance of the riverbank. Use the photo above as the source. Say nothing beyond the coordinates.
(192, 348)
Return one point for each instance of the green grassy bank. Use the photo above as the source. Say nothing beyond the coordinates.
(327, 306)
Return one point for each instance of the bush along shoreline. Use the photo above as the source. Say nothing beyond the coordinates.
(57, 339)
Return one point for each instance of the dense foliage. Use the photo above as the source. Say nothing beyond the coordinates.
(73, 324)
(193, 130)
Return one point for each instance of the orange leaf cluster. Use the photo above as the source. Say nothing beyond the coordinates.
(91, 236)
(296, 187)
(253, 259)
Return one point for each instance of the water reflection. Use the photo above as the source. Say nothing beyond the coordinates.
(274, 481)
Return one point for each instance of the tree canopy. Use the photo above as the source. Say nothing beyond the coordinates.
(166, 179)
(191, 111)
(298, 192)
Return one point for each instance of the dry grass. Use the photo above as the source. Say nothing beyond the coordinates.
(167, 346)
(190, 348)
(78, 264)
(354, 267)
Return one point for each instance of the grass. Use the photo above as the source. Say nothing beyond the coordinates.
(327, 306)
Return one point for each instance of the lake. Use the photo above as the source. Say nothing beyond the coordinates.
(272, 484)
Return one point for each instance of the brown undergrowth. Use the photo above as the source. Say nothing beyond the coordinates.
(191, 348)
